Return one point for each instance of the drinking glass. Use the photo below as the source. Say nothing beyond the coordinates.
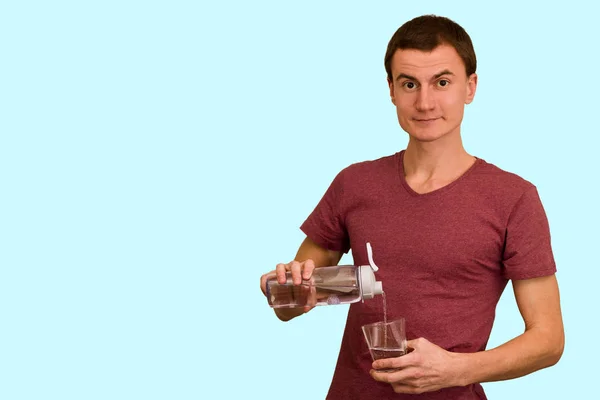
(386, 339)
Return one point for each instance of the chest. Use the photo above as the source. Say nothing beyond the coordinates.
(453, 238)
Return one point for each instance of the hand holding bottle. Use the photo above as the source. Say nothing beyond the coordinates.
(299, 274)
(295, 288)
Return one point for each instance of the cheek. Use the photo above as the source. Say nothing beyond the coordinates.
(452, 104)
(404, 106)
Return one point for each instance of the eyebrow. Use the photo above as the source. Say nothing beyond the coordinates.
(412, 78)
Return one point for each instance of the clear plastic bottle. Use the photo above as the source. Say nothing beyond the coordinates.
(340, 284)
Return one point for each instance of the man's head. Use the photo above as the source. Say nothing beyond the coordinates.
(430, 63)
(427, 32)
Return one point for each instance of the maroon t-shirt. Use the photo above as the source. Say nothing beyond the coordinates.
(444, 258)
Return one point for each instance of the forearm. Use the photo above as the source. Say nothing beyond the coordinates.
(533, 350)
(286, 314)
(321, 257)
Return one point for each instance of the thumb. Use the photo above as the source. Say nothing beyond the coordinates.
(415, 344)
(263, 281)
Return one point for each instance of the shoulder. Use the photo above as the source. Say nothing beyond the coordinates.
(500, 186)
(496, 177)
(365, 176)
(369, 169)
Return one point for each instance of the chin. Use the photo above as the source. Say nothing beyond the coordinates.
(428, 134)
(425, 135)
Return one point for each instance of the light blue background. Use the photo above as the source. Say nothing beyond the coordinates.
(157, 157)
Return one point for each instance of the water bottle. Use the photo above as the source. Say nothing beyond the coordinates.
(339, 284)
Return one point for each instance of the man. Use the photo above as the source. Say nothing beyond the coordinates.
(448, 231)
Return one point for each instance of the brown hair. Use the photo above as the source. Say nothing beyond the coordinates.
(428, 32)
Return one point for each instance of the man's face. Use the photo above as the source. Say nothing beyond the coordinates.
(430, 90)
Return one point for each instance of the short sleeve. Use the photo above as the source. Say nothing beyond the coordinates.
(528, 250)
(325, 225)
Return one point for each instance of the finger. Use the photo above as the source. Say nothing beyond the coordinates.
(386, 377)
(296, 267)
(263, 281)
(416, 343)
(308, 268)
(404, 376)
(394, 362)
(311, 298)
(263, 284)
(411, 343)
(404, 388)
(280, 271)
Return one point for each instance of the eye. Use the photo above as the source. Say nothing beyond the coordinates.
(409, 85)
(443, 82)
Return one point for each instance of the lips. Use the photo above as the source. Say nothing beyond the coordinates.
(426, 119)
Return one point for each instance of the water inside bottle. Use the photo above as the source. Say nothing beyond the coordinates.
(310, 293)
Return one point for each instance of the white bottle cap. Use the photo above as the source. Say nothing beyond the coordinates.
(369, 286)
(370, 255)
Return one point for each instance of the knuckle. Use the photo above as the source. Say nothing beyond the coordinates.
(411, 390)
(417, 358)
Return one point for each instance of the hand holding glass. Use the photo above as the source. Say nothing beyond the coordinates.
(386, 339)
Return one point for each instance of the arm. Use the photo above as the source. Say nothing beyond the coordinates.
(309, 256)
(429, 367)
(540, 346)
(322, 257)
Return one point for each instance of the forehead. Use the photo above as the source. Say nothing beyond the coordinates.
(425, 64)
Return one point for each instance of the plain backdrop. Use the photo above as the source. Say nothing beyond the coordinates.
(157, 157)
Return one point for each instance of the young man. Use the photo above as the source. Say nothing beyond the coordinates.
(448, 231)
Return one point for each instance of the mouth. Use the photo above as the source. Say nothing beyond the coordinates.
(426, 120)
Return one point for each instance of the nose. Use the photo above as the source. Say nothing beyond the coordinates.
(425, 100)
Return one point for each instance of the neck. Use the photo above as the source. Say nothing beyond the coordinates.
(444, 158)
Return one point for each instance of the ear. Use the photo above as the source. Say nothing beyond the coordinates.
(471, 88)
(391, 86)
